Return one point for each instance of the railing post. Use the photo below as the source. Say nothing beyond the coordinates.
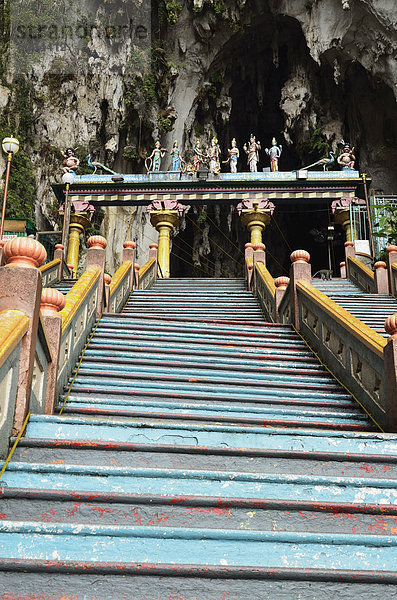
(343, 270)
(107, 280)
(20, 289)
(300, 271)
(96, 255)
(349, 251)
(249, 254)
(59, 253)
(52, 302)
(259, 255)
(153, 253)
(136, 275)
(129, 254)
(391, 258)
(390, 359)
(281, 284)
(381, 279)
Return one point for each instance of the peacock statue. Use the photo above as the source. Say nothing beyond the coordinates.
(324, 162)
(97, 165)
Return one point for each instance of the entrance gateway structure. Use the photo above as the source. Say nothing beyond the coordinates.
(197, 438)
(255, 195)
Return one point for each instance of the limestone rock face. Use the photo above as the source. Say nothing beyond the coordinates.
(309, 73)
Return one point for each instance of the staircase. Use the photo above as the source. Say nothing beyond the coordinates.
(202, 453)
(371, 309)
(65, 285)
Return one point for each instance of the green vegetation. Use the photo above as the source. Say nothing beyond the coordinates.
(316, 145)
(219, 7)
(130, 153)
(216, 80)
(387, 223)
(173, 9)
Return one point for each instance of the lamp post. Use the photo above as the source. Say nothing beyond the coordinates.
(67, 179)
(10, 147)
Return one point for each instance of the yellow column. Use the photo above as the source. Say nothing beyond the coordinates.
(78, 222)
(342, 217)
(164, 221)
(255, 220)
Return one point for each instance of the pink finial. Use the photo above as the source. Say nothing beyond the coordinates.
(380, 265)
(107, 279)
(51, 302)
(260, 247)
(391, 325)
(349, 244)
(59, 247)
(281, 282)
(249, 245)
(300, 256)
(250, 267)
(24, 252)
(97, 242)
(342, 264)
(136, 267)
(130, 245)
(391, 248)
(153, 246)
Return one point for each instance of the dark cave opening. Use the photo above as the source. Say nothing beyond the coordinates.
(212, 241)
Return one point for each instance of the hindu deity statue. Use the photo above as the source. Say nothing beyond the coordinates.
(214, 152)
(198, 156)
(176, 159)
(347, 159)
(274, 153)
(70, 161)
(252, 151)
(234, 154)
(153, 162)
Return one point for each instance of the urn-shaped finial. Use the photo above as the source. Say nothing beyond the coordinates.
(52, 301)
(24, 252)
(281, 282)
(391, 325)
(261, 247)
(59, 247)
(349, 244)
(130, 245)
(380, 265)
(391, 248)
(97, 242)
(153, 246)
(300, 256)
(107, 278)
(136, 267)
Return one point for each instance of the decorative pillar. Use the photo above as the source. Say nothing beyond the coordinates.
(391, 259)
(281, 284)
(96, 255)
(164, 221)
(78, 223)
(20, 289)
(255, 220)
(300, 271)
(342, 217)
(390, 359)
(52, 301)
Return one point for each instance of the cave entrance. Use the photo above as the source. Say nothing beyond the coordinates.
(210, 242)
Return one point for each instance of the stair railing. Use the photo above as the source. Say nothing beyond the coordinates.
(370, 281)
(122, 282)
(362, 360)
(14, 325)
(147, 274)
